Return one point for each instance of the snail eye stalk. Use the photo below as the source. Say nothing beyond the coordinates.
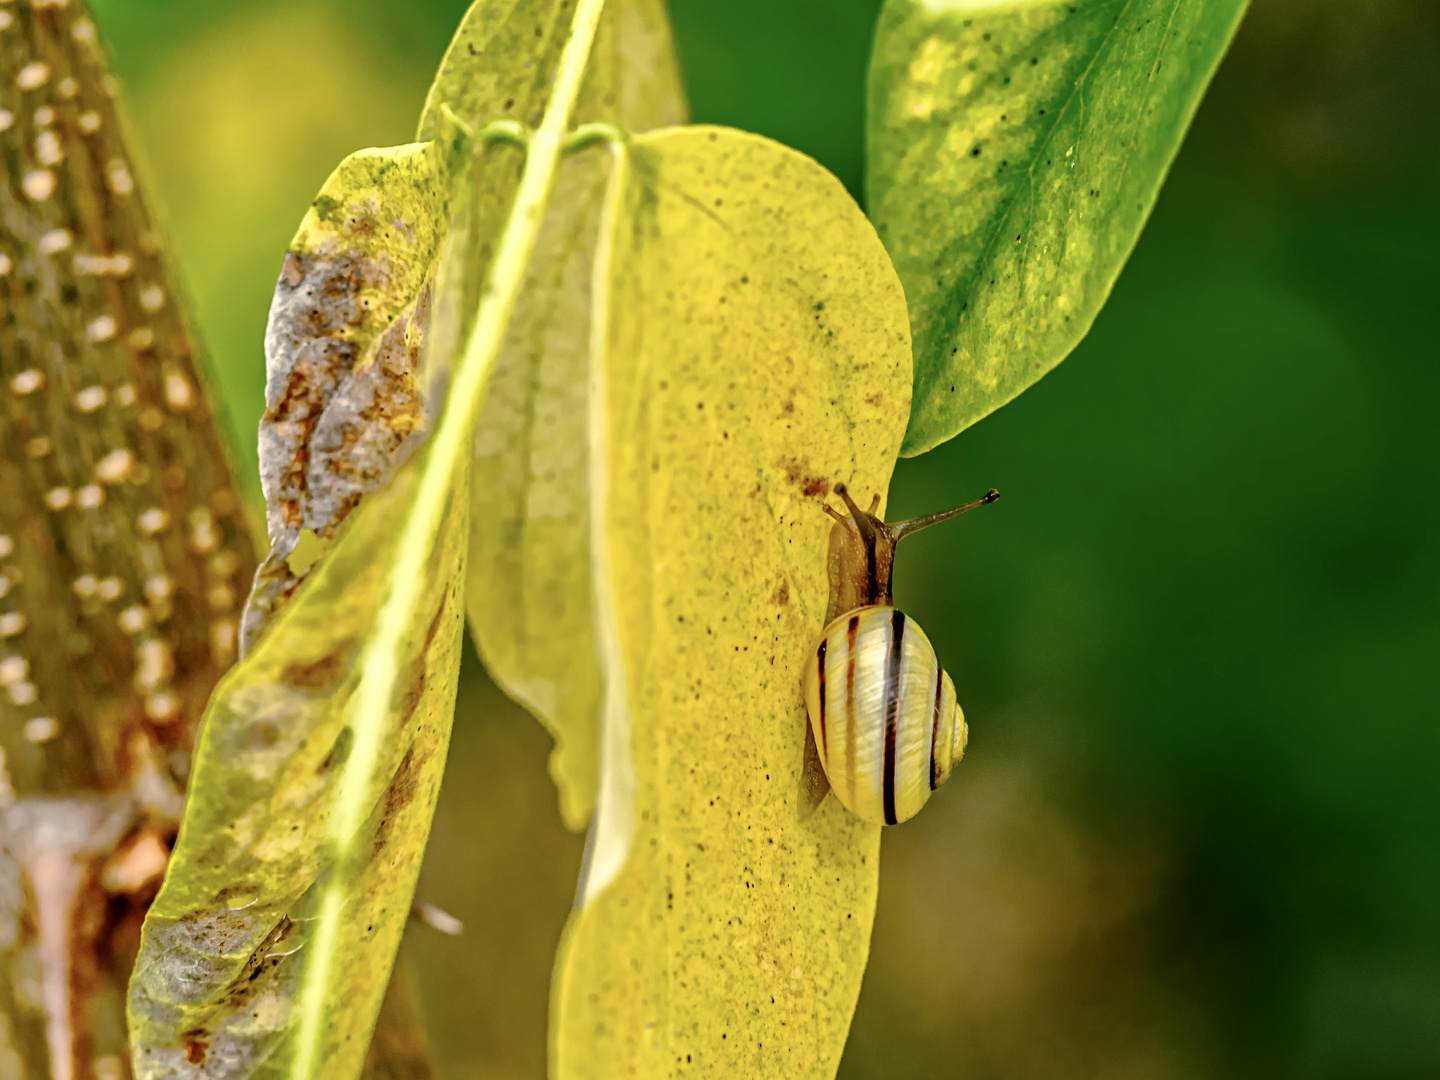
(864, 522)
(900, 529)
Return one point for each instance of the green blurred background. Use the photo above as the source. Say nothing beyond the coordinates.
(1198, 830)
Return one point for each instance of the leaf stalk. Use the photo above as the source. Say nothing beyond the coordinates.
(587, 135)
(506, 133)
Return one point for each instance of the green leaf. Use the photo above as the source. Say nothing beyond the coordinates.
(1015, 150)
(528, 590)
(752, 349)
(227, 944)
(499, 64)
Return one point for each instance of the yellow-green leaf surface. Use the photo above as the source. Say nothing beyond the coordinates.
(226, 944)
(499, 64)
(753, 349)
(528, 590)
(343, 392)
(267, 952)
(1015, 149)
(501, 61)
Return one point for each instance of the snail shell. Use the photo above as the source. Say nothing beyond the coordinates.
(883, 713)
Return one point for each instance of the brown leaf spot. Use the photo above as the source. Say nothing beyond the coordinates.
(797, 473)
(321, 675)
(415, 677)
(403, 788)
(293, 272)
(339, 751)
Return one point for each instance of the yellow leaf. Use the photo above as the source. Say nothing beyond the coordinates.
(753, 349)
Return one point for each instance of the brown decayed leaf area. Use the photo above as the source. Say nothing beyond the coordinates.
(343, 344)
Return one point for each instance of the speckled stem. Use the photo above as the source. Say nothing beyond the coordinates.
(123, 549)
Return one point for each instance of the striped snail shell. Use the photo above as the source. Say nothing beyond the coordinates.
(886, 725)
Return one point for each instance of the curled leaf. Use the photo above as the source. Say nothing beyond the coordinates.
(528, 591)
(346, 399)
(268, 949)
(224, 951)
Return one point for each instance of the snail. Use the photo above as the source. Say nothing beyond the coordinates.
(886, 726)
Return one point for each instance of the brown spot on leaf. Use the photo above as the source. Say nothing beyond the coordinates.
(196, 1051)
(798, 473)
(346, 409)
(266, 957)
(322, 675)
(339, 751)
(401, 791)
(293, 271)
(415, 674)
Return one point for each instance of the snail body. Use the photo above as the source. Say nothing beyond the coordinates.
(886, 725)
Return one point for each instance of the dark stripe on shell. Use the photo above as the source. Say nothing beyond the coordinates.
(935, 722)
(892, 709)
(851, 632)
(850, 636)
(824, 738)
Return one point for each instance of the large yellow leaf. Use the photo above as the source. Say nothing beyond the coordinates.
(753, 348)
(528, 590)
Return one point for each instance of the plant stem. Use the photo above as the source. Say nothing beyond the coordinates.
(446, 457)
